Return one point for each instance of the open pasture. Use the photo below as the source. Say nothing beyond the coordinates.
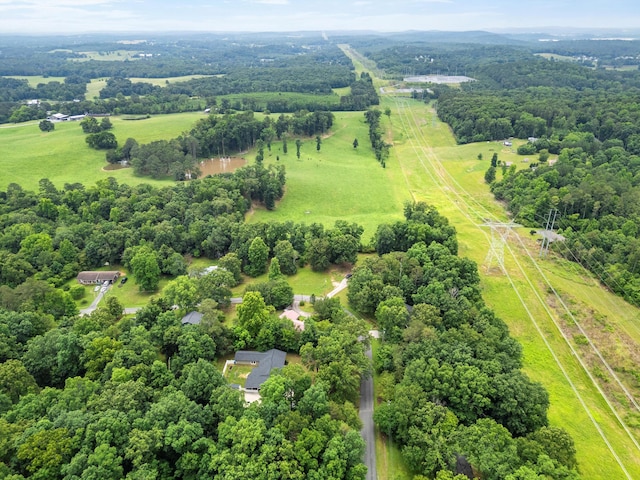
(28, 155)
(338, 182)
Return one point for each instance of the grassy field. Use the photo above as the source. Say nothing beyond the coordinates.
(112, 56)
(163, 82)
(35, 80)
(338, 182)
(28, 155)
(555, 56)
(94, 87)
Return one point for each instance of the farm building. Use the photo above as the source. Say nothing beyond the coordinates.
(264, 362)
(58, 117)
(96, 278)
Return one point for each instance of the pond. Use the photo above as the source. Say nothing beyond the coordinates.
(221, 165)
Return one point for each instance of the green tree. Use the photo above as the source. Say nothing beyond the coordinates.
(46, 126)
(44, 452)
(258, 257)
(253, 313)
(90, 125)
(298, 146)
(15, 380)
(355, 143)
(490, 175)
(232, 264)
(102, 141)
(182, 291)
(318, 142)
(274, 269)
(145, 269)
(216, 285)
(200, 380)
(105, 124)
(287, 257)
(494, 160)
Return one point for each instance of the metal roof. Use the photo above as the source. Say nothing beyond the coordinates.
(266, 361)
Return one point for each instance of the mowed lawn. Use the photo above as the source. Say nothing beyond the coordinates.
(338, 182)
(28, 155)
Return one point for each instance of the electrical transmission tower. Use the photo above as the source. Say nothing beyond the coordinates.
(547, 234)
(499, 234)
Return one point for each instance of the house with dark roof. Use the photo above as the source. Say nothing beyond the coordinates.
(96, 278)
(192, 318)
(264, 363)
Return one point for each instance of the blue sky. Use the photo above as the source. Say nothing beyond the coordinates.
(78, 16)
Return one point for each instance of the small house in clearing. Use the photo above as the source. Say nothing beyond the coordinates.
(96, 278)
(264, 362)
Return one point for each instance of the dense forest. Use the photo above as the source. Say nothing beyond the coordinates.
(107, 396)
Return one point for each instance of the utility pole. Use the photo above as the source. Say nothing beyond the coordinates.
(499, 233)
(548, 231)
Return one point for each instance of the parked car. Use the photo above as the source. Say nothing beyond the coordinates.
(124, 280)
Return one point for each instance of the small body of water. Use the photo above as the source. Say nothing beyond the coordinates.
(221, 165)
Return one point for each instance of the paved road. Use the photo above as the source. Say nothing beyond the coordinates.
(367, 432)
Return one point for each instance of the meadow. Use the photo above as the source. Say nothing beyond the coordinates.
(28, 155)
(338, 182)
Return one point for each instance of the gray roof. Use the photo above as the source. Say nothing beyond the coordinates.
(97, 276)
(266, 361)
(192, 318)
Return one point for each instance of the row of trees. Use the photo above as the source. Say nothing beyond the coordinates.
(380, 147)
(452, 390)
(220, 135)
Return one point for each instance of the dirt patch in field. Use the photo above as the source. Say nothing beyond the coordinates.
(112, 166)
(217, 165)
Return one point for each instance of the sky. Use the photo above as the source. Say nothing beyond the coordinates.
(87, 16)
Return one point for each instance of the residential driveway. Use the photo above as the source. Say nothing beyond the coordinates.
(341, 286)
(96, 301)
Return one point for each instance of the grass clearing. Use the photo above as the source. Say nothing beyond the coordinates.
(163, 82)
(94, 87)
(110, 56)
(28, 155)
(35, 80)
(237, 374)
(336, 183)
